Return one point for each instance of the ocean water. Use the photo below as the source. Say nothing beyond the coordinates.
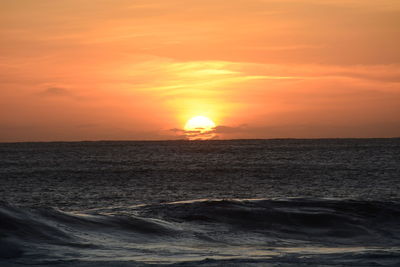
(332, 202)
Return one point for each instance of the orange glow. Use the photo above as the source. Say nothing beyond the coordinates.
(201, 123)
(89, 70)
(199, 127)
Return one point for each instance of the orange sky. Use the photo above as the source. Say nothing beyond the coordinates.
(123, 69)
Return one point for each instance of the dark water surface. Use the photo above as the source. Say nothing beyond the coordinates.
(209, 203)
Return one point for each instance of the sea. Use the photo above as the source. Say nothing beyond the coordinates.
(280, 202)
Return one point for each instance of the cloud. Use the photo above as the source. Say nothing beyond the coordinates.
(223, 129)
(214, 133)
(176, 130)
(60, 92)
(196, 134)
(56, 91)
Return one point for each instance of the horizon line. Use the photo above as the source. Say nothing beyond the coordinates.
(208, 140)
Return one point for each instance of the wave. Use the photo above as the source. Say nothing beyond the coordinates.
(194, 229)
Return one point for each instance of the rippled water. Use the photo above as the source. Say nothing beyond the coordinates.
(210, 203)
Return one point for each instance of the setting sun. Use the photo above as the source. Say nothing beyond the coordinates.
(199, 123)
(199, 127)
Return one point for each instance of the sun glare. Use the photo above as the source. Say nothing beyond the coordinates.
(199, 128)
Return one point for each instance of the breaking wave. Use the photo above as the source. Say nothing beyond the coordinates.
(229, 230)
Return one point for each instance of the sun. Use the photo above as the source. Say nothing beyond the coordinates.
(199, 123)
(199, 128)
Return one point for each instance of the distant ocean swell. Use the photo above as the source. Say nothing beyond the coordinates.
(290, 231)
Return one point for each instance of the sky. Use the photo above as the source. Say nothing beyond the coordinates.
(139, 70)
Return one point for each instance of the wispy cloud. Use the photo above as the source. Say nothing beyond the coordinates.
(223, 129)
(201, 133)
(55, 91)
(59, 92)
